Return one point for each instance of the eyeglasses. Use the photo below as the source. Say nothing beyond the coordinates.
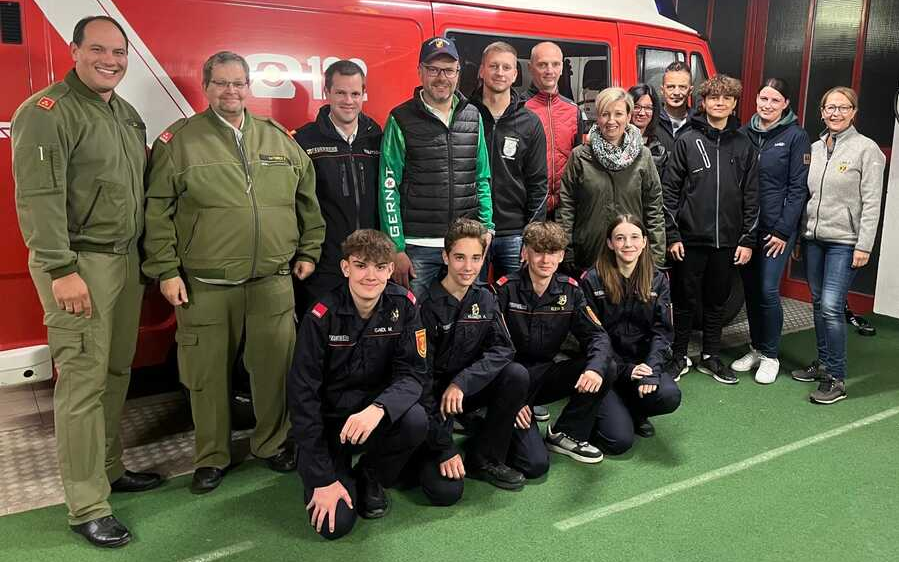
(842, 109)
(642, 109)
(435, 71)
(225, 84)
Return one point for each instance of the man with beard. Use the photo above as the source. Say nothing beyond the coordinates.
(433, 143)
(516, 144)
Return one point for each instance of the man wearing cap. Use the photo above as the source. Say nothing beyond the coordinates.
(79, 154)
(432, 143)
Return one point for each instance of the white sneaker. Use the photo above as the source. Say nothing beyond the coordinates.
(748, 362)
(767, 371)
(581, 451)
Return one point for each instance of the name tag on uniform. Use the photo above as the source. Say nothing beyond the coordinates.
(317, 149)
(269, 159)
(517, 306)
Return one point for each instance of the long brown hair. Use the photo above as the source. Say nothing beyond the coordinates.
(607, 264)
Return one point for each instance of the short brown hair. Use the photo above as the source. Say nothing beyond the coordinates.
(498, 47)
(721, 85)
(545, 237)
(368, 245)
(464, 228)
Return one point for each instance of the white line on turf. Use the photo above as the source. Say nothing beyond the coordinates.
(222, 552)
(659, 493)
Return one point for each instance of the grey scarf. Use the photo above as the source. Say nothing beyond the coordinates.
(615, 158)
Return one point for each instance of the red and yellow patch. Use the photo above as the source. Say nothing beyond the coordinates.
(46, 103)
(421, 342)
(593, 316)
(166, 136)
(319, 310)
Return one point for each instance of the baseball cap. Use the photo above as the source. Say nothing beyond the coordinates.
(437, 46)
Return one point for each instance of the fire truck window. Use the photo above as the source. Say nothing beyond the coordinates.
(700, 75)
(652, 62)
(585, 66)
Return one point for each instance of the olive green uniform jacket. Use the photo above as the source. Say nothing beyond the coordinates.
(223, 212)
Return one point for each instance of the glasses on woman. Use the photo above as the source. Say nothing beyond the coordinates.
(642, 109)
(841, 109)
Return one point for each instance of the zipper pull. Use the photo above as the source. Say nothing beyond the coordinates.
(249, 184)
(40, 149)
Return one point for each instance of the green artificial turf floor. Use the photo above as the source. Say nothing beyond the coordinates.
(703, 489)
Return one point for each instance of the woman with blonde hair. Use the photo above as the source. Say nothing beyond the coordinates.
(845, 181)
(612, 174)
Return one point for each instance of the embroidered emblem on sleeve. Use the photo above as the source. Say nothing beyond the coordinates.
(421, 342)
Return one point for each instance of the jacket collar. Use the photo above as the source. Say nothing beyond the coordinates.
(216, 120)
(515, 103)
(438, 292)
(461, 102)
(542, 96)
(554, 287)
(328, 129)
(700, 121)
(74, 82)
(347, 307)
(841, 136)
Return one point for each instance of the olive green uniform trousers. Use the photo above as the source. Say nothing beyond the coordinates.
(93, 361)
(211, 327)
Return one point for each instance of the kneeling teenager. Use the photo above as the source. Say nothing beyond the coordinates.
(542, 307)
(634, 304)
(355, 385)
(470, 355)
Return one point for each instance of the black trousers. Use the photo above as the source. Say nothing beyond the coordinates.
(704, 276)
(613, 432)
(386, 451)
(502, 398)
(551, 382)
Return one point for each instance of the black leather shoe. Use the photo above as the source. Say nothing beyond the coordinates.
(373, 502)
(206, 479)
(105, 531)
(497, 474)
(286, 460)
(136, 482)
(644, 428)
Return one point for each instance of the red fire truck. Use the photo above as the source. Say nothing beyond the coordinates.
(288, 44)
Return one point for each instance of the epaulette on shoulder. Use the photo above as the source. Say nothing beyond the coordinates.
(51, 95)
(570, 280)
(411, 296)
(319, 310)
(395, 289)
(280, 127)
(502, 281)
(167, 135)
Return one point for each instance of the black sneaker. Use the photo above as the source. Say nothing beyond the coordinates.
(814, 372)
(497, 474)
(679, 366)
(712, 365)
(643, 427)
(373, 502)
(829, 390)
(541, 413)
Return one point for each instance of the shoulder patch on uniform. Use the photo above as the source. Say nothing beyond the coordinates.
(807, 158)
(319, 310)
(46, 102)
(502, 280)
(411, 296)
(166, 136)
(592, 316)
(421, 342)
(585, 274)
(572, 281)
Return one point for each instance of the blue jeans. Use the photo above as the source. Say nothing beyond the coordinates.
(505, 255)
(761, 285)
(830, 274)
(428, 266)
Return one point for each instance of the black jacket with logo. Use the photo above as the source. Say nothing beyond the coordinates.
(344, 363)
(539, 324)
(640, 332)
(468, 345)
(346, 180)
(517, 146)
(710, 187)
(664, 131)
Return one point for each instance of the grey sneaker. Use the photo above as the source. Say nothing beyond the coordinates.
(829, 390)
(814, 372)
(581, 451)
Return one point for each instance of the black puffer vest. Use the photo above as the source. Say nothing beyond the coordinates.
(441, 166)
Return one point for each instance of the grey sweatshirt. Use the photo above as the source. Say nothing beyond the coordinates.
(845, 188)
